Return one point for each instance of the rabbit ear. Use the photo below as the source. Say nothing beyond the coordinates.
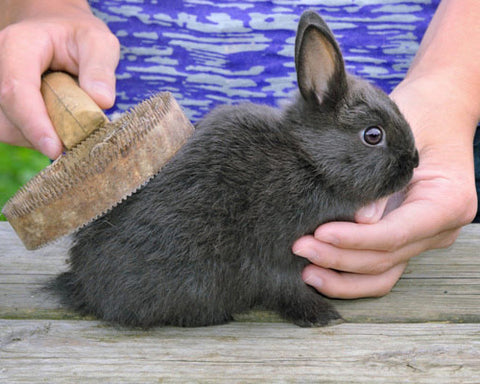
(320, 69)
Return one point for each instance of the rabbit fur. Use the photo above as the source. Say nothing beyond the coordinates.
(211, 235)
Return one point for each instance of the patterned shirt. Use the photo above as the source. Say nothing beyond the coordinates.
(210, 52)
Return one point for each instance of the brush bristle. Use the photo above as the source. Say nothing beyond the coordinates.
(103, 170)
(90, 156)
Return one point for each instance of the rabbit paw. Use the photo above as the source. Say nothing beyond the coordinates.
(321, 319)
(312, 313)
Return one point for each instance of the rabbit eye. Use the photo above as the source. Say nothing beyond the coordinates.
(373, 136)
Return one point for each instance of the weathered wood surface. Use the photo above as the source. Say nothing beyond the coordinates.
(426, 331)
(89, 352)
(441, 285)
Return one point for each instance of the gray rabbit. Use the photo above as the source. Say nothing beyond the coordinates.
(211, 235)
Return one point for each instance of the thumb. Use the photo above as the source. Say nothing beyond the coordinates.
(98, 59)
(372, 212)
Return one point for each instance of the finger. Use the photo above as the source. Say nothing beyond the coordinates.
(365, 261)
(340, 285)
(10, 134)
(424, 219)
(32, 117)
(344, 260)
(98, 56)
(371, 213)
(20, 98)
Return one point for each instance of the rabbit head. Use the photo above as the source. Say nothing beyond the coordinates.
(351, 132)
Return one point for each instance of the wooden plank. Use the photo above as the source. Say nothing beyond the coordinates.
(89, 352)
(440, 285)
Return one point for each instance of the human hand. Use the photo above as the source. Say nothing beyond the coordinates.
(366, 258)
(56, 35)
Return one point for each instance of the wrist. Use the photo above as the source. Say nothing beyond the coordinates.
(456, 86)
(438, 109)
(448, 56)
(448, 92)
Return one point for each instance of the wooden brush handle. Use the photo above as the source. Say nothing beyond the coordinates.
(73, 113)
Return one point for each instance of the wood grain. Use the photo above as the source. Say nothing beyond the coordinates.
(440, 285)
(89, 352)
(426, 331)
(73, 113)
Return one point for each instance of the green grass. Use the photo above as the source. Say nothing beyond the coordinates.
(17, 166)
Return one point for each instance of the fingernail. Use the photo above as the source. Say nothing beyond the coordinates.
(305, 252)
(314, 281)
(49, 147)
(368, 211)
(327, 238)
(102, 89)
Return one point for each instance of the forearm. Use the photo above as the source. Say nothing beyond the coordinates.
(16, 10)
(450, 52)
(440, 97)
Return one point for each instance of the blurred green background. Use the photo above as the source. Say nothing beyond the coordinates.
(17, 166)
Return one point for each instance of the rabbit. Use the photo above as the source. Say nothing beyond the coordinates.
(211, 235)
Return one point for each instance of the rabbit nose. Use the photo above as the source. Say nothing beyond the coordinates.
(415, 159)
